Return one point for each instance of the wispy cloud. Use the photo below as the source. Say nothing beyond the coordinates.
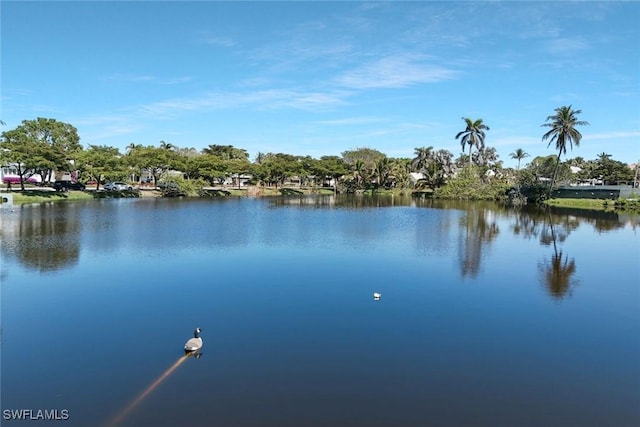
(95, 128)
(611, 135)
(395, 71)
(564, 45)
(516, 141)
(9, 93)
(297, 54)
(108, 132)
(218, 41)
(351, 121)
(210, 38)
(259, 99)
(146, 78)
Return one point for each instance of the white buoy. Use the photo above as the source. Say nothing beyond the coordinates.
(376, 296)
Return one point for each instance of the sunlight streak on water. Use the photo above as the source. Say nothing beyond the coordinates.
(121, 416)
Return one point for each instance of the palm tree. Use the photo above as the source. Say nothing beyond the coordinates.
(423, 155)
(167, 145)
(260, 157)
(399, 174)
(563, 130)
(132, 147)
(359, 172)
(473, 135)
(519, 154)
(381, 170)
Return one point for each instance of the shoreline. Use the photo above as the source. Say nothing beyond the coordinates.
(37, 195)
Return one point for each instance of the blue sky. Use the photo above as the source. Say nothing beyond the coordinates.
(318, 78)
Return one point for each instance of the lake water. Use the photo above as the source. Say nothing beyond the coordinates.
(488, 316)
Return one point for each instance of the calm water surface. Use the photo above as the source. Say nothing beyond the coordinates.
(488, 317)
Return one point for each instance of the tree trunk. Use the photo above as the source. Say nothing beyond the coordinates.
(555, 172)
(21, 175)
(470, 146)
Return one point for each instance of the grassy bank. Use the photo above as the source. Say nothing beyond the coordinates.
(41, 196)
(578, 203)
(596, 204)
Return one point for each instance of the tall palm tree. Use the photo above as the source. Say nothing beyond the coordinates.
(519, 154)
(473, 134)
(563, 130)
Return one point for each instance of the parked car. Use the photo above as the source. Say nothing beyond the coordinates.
(68, 185)
(117, 186)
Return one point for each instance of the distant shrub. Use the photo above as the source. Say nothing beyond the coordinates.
(179, 186)
(469, 185)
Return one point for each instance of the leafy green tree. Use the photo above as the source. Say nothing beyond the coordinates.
(206, 166)
(611, 171)
(17, 148)
(276, 168)
(468, 185)
(563, 131)
(226, 152)
(473, 135)
(334, 167)
(43, 163)
(543, 168)
(308, 169)
(100, 162)
(519, 154)
(368, 156)
(41, 146)
(156, 160)
(237, 167)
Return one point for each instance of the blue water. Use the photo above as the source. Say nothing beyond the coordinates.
(99, 297)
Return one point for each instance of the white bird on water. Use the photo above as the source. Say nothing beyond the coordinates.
(195, 343)
(376, 295)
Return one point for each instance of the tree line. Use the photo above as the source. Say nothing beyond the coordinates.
(45, 146)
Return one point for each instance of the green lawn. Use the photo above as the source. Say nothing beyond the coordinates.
(579, 203)
(39, 196)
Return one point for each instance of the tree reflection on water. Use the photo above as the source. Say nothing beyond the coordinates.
(40, 240)
(478, 228)
(558, 271)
